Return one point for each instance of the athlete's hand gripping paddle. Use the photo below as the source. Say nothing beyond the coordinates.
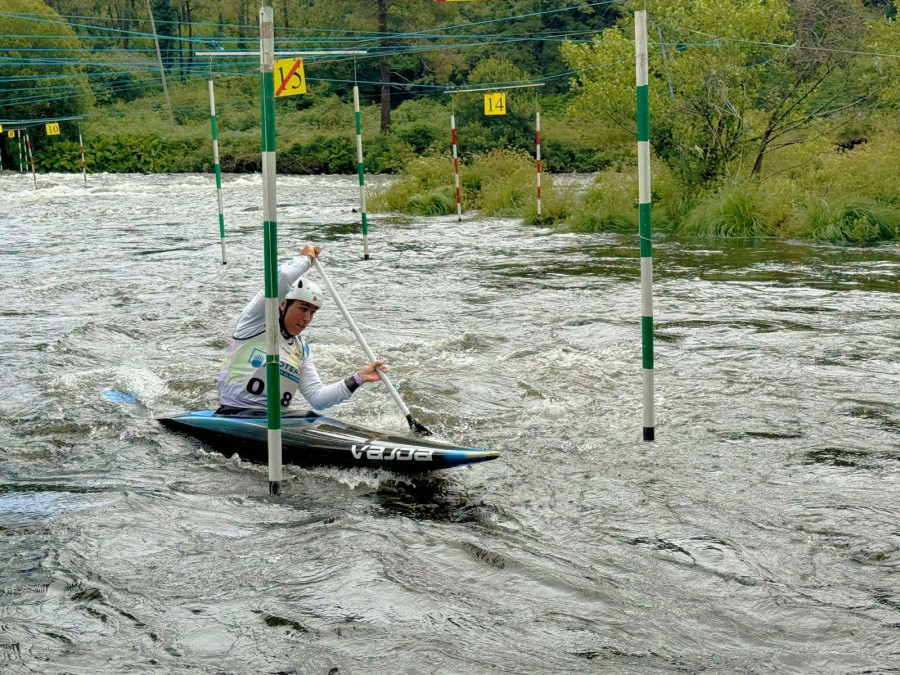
(416, 427)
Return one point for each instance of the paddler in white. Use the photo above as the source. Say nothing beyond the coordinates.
(242, 380)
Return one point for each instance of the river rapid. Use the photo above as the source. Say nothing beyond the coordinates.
(760, 532)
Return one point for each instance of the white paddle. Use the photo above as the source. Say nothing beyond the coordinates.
(416, 427)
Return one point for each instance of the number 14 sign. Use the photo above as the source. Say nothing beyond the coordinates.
(289, 77)
(495, 104)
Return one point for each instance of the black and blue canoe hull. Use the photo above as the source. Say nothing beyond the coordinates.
(313, 440)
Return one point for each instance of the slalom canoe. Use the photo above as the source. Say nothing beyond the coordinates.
(314, 440)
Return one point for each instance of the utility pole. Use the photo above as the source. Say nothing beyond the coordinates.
(162, 69)
(385, 66)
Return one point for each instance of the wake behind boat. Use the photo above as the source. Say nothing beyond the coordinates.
(313, 440)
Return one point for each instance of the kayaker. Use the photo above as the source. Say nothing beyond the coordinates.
(242, 380)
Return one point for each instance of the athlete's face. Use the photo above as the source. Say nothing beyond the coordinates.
(298, 316)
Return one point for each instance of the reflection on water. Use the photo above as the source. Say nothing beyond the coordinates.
(759, 532)
(431, 497)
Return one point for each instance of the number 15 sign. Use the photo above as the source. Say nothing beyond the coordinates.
(289, 77)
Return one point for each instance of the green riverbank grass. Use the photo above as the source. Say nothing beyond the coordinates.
(608, 205)
(501, 183)
(813, 192)
(735, 210)
(505, 182)
(856, 222)
(425, 188)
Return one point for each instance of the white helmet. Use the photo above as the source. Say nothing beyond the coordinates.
(306, 291)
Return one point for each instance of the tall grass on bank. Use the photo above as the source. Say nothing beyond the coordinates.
(506, 182)
(736, 210)
(855, 222)
(424, 189)
(556, 207)
(853, 196)
(500, 183)
(608, 205)
(753, 209)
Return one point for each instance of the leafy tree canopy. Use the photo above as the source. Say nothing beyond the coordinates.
(42, 88)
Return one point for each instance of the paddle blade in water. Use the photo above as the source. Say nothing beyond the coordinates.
(417, 428)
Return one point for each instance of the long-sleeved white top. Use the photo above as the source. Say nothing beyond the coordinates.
(242, 379)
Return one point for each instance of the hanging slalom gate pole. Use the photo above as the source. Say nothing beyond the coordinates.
(218, 169)
(30, 157)
(361, 170)
(270, 244)
(83, 163)
(455, 167)
(537, 140)
(21, 165)
(643, 138)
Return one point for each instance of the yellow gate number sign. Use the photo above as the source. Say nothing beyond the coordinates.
(11, 133)
(1, 127)
(289, 78)
(53, 129)
(495, 104)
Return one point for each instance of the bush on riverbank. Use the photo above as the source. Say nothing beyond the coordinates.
(818, 191)
(315, 134)
(840, 189)
(608, 205)
(500, 183)
(423, 189)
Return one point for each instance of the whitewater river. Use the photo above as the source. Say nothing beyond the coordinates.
(760, 533)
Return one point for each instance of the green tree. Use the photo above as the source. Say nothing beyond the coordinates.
(811, 89)
(881, 72)
(512, 130)
(531, 40)
(384, 26)
(737, 79)
(31, 88)
(166, 28)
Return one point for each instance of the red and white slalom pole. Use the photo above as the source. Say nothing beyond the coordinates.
(30, 157)
(537, 140)
(83, 163)
(456, 167)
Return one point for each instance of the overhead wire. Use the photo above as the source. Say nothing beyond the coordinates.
(405, 44)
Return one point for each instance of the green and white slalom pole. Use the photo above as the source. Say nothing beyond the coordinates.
(215, 145)
(361, 170)
(455, 167)
(83, 163)
(270, 243)
(30, 157)
(646, 232)
(21, 163)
